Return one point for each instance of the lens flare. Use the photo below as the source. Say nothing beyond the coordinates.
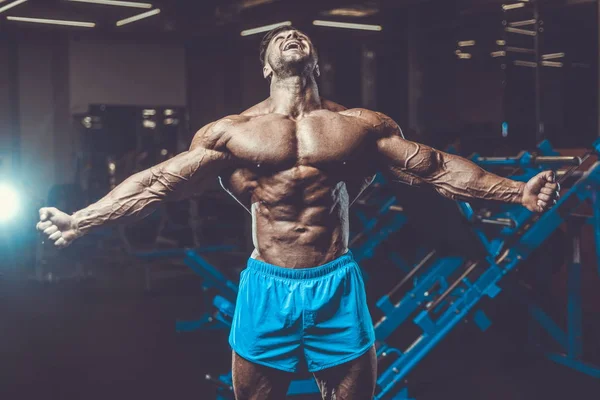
(9, 202)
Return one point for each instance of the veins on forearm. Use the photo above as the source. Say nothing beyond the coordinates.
(140, 194)
(455, 177)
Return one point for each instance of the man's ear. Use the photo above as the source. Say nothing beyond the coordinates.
(267, 71)
(317, 71)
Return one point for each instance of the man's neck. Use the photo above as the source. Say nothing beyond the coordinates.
(294, 95)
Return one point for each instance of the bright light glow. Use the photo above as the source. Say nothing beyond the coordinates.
(9, 202)
(52, 22)
(506, 7)
(552, 56)
(149, 112)
(138, 17)
(11, 5)
(465, 43)
(498, 53)
(115, 3)
(347, 25)
(464, 56)
(264, 28)
(501, 42)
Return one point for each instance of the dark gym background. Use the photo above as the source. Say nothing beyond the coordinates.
(87, 324)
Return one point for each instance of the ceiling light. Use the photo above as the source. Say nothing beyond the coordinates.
(520, 50)
(522, 63)
(355, 12)
(554, 64)
(465, 43)
(138, 17)
(52, 21)
(464, 56)
(521, 31)
(552, 56)
(253, 3)
(498, 53)
(501, 42)
(264, 28)
(523, 23)
(507, 7)
(115, 3)
(347, 25)
(11, 5)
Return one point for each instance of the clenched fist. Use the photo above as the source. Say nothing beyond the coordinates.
(541, 192)
(58, 226)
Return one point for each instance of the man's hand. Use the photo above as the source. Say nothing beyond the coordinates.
(541, 192)
(58, 226)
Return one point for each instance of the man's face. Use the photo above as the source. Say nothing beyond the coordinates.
(291, 52)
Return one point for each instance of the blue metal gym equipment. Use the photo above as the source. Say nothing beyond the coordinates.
(444, 305)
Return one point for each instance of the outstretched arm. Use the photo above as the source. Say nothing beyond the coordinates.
(456, 177)
(140, 194)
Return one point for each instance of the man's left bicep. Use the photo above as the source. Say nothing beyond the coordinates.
(407, 161)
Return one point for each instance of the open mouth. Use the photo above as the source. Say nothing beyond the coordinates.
(292, 46)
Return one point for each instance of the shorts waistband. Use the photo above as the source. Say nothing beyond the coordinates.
(302, 273)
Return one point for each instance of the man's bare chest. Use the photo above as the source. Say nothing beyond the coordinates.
(277, 141)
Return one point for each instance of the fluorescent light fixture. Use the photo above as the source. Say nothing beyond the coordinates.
(115, 3)
(465, 43)
(11, 5)
(464, 56)
(253, 3)
(347, 25)
(507, 7)
(554, 64)
(522, 63)
(138, 17)
(52, 21)
(552, 56)
(264, 28)
(498, 53)
(522, 50)
(355, 12)
(523, 23)
(521, 31)
(501, 42)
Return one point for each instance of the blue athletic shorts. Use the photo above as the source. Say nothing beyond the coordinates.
(298, 319)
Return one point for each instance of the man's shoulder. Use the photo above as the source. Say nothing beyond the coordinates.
(379, 121)
(216, 134)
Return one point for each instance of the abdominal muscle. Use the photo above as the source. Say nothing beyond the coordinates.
(299, 237)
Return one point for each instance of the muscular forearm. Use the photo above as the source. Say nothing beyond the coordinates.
(452, 176)
(461, 179)
(134, 198)
(141, 193)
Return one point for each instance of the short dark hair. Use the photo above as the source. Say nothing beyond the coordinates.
(264, 43)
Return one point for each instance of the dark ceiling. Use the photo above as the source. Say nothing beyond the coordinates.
(193, 18)
(190, 17)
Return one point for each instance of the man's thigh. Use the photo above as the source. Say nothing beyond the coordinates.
(354, 380)
(256, 382)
